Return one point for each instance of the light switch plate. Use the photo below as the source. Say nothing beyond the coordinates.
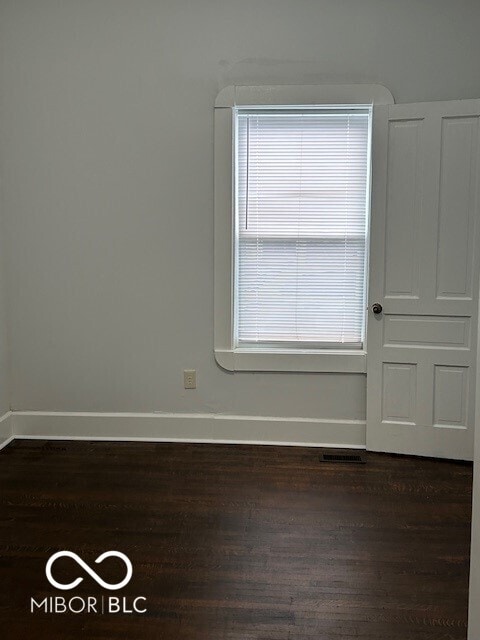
(190, 379)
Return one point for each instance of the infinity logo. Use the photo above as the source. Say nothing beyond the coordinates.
(87, 569)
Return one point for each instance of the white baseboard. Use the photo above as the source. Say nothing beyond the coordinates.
(185, 427)
(6, 433)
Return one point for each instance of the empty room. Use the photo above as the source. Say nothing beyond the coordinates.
(239, 287)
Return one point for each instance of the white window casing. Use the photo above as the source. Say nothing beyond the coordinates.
(290, 284)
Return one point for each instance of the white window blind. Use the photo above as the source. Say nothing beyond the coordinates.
(301, 185)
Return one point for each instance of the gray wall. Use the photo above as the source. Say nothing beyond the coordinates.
(106, 152)
(4, 342)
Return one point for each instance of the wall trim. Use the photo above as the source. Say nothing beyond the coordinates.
(241, 95)
(6, 432)
(188, 427)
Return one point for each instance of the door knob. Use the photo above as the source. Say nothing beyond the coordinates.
(377, 308)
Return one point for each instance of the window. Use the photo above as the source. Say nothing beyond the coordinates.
(292, 175)
(301, 184)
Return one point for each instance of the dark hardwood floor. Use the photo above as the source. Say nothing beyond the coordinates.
(235, 542)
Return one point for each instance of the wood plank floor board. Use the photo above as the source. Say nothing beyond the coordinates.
(236, 542)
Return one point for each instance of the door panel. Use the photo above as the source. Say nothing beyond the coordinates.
(424, 264)
(451, 385)
(399, 393)
(404, 208)
(456, 207)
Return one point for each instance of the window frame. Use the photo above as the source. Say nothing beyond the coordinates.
(227, 355)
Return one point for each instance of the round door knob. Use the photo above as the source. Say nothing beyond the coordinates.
(377, 308)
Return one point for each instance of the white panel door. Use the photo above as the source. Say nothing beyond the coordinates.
(424, 264)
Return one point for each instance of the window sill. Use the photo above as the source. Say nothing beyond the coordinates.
(292, 361)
